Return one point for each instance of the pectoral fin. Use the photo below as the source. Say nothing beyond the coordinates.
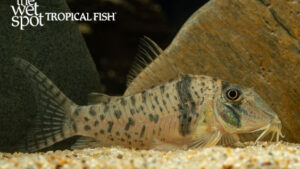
(229, 139)
(87, 142)
(162, 146)
(206, 139)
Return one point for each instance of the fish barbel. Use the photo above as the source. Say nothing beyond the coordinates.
(187, 112)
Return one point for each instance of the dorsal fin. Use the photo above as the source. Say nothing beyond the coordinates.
(95, 98)
(152, 67)
(148, 50)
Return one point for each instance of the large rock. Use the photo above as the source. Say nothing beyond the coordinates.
(58, 50)
(252, 43)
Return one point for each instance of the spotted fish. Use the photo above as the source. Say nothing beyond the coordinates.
(189, 111)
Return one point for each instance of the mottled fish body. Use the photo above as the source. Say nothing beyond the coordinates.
(189, 111)
(168, 113)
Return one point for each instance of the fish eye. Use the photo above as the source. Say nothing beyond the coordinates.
(233, 94)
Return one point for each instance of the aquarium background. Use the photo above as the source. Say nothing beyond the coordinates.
(113, 45)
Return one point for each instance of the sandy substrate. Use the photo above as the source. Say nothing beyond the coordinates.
(263, 155)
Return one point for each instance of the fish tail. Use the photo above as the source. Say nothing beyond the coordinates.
(53, 122)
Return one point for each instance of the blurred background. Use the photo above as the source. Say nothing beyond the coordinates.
(113, 45)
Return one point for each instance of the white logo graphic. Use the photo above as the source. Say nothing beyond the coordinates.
(26, 14)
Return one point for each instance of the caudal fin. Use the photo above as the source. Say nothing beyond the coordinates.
(53, 122)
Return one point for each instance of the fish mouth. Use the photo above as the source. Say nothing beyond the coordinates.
(273, 127)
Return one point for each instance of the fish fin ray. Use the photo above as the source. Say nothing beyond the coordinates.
(152, 68)
(229, 139)
(52, 122)
(86, 142)
(96, 98)
(206, 139)
(148, 50)
(161, 146)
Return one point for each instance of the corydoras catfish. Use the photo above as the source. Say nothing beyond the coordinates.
(187, 112)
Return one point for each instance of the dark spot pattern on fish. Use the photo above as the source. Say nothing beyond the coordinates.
(142, 108)
(167, 95)
(132, 111)
(92, 111)
(201, 101)
(102, 116)
(153, 118)
(159, 131)
(143, 131)
(132, 98)
(57, 94)
(128, 135)
(156, 100)
(87, 127)
(118, 114)
(106, 108)
(77, 111)
(144, 96)
(130, 122)
(123, 102)
(197, 95)
(101, 131)
(86, 119)
(74, 126)
(96, 123)
(110, 126)
(162, 89)
(117, 133)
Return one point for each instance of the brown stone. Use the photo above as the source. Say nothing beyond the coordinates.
(254, 43)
